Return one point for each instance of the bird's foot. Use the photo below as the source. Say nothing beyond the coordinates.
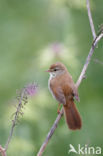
(58, 110)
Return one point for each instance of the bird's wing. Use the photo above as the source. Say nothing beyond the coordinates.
(60, 95)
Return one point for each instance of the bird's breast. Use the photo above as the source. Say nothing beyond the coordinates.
(51, 85)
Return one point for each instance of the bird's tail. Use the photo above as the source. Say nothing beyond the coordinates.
(72, 115)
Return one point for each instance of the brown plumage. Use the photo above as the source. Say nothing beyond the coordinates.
(72, 116)
(64, 90)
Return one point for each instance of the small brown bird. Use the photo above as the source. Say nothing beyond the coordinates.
(64, 90)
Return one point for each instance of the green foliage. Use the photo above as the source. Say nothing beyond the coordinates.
(28, 32)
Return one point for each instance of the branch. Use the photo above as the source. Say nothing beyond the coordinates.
(49, 135)
(81, 77)
(90, 19)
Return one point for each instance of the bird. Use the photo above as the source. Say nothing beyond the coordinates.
(64, 90)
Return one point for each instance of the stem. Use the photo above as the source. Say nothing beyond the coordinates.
(90, 19)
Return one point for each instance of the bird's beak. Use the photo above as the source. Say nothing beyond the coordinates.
(47, 70)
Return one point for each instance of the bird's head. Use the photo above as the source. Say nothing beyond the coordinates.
(56, 69)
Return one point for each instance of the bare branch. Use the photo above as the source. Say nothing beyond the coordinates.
(90, 19)
(50, 133)
(82, 75)
(98, 38)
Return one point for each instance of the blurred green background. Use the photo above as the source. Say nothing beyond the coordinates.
(33, 35)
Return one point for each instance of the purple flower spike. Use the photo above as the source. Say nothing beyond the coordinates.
(31, 89)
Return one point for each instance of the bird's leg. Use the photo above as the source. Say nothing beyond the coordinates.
(58, 110)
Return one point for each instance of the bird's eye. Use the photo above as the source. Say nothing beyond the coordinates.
(55, 69)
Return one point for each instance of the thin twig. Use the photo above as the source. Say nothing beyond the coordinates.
(42, 148)
(88, 59)
(49, 135)
(14, 121)
(90, 19)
